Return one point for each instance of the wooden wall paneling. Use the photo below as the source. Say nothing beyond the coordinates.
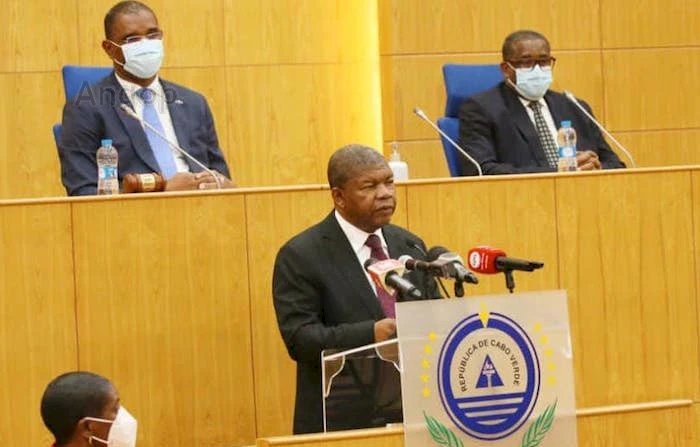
(194, 32)
(499, 212)
(37, 314)
(670, 427)
(632, 287)
(661, 148)
(37, 36)
(286, 120)
(417, 81)
(696, 221)
(649, 89)
(163, 311)
(274, 218)
(457, 26)
(300, 31)
(650, 23)
(210, 82)
(425, 158)
(29, 165)
(376, 437)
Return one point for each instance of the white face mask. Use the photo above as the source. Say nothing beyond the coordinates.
(121, 434)
(532, 84)
(143, 58)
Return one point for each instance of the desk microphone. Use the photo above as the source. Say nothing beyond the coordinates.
(129, 111)
(573, 99)
(387, 275)
(421, 114)
(488, 260)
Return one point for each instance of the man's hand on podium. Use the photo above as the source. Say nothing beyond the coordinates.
(384, 329)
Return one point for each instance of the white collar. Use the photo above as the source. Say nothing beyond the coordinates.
(356, 236)
(131, 89)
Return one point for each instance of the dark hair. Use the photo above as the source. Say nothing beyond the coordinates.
(125, 7)
(71, 397)
(348, 161)
(508, 49)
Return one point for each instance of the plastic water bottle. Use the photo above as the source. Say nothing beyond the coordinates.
(398, 167)
(107, 162)
(566, 140)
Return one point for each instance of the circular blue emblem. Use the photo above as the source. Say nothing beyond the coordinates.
(488, 376)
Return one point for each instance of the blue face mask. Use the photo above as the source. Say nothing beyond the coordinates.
(532, 84)
(143, 58)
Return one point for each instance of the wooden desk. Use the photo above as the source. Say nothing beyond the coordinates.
(170, 295)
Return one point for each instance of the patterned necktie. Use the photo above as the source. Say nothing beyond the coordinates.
(549, 146)
(160, 147)
(385, 299)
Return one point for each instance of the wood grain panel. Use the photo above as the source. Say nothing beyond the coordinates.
(163, 310)
(274, 218)
(379, 437)
(661, 148)
(650, 23)
(631, 285)
(37, 315)
(32, 104)
(497, 212)
(425, 158)
(417, 81)
(210, 82)
(668, 427)
(300, 31)
(194, 32)
(37, 36)
(695, 197)
(648, 89)
(456, 26)
(285, 121)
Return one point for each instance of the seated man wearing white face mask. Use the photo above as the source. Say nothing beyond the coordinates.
(512, 128)
(82, 409)
(134, 43)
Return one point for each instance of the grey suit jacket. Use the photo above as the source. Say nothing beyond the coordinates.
(94, 114)
(323, 300)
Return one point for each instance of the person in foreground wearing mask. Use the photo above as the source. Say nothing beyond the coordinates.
(134, 44)
(82, 409)
(512, 128)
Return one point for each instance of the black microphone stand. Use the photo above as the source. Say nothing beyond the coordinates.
(510, 280)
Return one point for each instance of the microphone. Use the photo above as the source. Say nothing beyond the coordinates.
(425, 118)
(489, 260)
(387, 275)
(443, 268)
(451, 264)
(573, 99)
(129, 111)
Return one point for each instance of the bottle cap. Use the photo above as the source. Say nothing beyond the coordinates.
(566, 123)
(106, 142)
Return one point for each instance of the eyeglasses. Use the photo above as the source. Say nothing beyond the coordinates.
(529, 64)
(150, 36)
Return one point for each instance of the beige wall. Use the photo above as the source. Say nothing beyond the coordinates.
(290, 81)
(635, 62)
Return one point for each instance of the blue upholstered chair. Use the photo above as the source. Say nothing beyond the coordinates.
(461, 82)
(75, 78)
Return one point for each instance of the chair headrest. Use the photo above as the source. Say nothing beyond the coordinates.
(463, 81)
(75, 76)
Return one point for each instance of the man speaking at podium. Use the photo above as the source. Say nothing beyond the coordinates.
(323, 297)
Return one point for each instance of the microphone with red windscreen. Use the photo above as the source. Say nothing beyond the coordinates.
(489, 260)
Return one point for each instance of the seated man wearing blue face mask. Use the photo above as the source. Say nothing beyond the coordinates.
(512, 128)
(82, 409)
(134, 43)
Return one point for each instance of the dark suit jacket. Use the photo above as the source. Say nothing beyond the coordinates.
(94, 114)
(495, 129)
(323, 300)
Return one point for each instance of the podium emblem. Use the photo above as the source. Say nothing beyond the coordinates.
(488, 376)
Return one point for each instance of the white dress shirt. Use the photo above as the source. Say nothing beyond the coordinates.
(357, 239)
(161, 106)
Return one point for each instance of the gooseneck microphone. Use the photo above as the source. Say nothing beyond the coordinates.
(421, 114)
(573, 99)
(132, 113)
(387, 275)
